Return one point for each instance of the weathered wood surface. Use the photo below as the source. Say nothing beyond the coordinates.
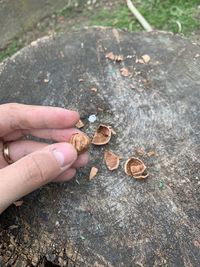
(113, 220)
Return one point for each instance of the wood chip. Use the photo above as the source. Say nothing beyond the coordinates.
(102, 135)
(93, 173)
(110, 56)
(140, 151)
(80, 124)
(151, 153)
(125, 72)
(117, 58)
(18, 203)
(146, 58)
(111, 160)
(93, 89)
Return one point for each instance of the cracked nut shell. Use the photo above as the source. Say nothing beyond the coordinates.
(81, 142)
(136, 168)
(102, 135)
(111, 159)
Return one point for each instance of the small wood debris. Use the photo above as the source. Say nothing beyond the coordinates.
(111, 160)
(80, 142)
(18, 203)
(100, 109)
(80, 124)
(93, 89)
(93, 173)
(102, 135)
(151, 153)
(125, 72)
(144, 59)
(135, 167)
(140, 151)
(117, 58)
(46, 80)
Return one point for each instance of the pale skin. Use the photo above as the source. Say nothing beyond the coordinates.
(36, 163)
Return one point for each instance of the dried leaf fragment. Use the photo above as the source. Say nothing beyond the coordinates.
(80, 124)
(125, 72)
(102, 135)
(18, 203)
(136, 168)
(112, 160)
(80, 142)
(93, 173)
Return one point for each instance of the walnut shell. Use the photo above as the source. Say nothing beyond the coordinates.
(102, 135)
(80, 142)
(136, 168)
(112, 160)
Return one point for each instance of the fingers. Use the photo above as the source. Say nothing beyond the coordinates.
(22, 148)
(18, 116)
(65, 176)
(33, 171)
(60, 135)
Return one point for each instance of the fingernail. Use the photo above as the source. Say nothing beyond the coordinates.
(65, 155)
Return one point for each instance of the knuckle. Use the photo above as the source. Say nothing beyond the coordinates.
(35, 170)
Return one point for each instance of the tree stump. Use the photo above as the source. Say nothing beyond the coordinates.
(152, 102)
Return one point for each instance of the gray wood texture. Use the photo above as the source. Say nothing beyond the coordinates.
(113, 220)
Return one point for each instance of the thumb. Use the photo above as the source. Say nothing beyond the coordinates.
(33, 171)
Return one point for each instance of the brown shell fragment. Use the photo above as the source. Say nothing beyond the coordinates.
(80, 142)
(125, 72)
(18, 203)
(136, 168)
(80, 124)
(144, 175)
(102, 135)
(93, 173)
(112, 160)
(117, 58)
(110, 56)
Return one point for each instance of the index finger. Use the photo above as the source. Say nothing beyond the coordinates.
(19, 116)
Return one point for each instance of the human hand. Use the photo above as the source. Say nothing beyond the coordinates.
(35, 163)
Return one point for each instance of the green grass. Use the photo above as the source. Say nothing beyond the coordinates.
(12, 48)
(169, 15)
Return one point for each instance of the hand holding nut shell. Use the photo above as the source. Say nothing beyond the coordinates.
(81, 142)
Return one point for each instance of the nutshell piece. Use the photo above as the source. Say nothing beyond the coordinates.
(144, 175)
(111, 159)
(102, 135)
(93, 173)
(18, 203)
(117, 58)
(80, 142)
(80, 124)
(136, 168)
(125, 72)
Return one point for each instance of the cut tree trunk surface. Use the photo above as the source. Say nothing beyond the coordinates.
(113, 220)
